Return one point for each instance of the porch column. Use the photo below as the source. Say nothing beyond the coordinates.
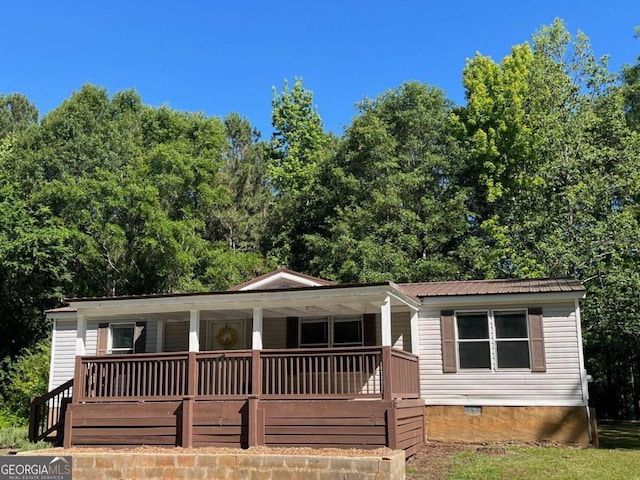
(385, 322)
(194, 331)
(160, 336)
(256, 337)
(415, 341)
(81, 333)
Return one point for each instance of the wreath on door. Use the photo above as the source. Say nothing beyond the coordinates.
(227, 336)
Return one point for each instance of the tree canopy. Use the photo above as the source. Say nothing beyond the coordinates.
(537, 174)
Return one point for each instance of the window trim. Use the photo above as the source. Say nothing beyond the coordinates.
(493, 339)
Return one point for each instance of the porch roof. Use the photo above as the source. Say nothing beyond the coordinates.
(299, 301)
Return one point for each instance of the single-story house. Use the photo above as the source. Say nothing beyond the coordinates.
(289, 359)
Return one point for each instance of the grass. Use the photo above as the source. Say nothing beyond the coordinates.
(618, 458)
(549, 463)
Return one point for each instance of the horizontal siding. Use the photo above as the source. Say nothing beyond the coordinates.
(400, 330)
(274, 333)
(64, 352)
(176, 336)
(92, 336)
(559, 385)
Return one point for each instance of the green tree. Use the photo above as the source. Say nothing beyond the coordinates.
(17, 113)
(298, 149)
(397, 211)
(552, 167)
(631, 90)
(33, 270)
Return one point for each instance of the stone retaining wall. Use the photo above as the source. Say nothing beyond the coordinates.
(107, 466)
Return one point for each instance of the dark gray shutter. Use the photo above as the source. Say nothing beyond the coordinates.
(448, 335)
(369, 329)
(536, 340)
(103, 339)
(140, 338)
(292, 332)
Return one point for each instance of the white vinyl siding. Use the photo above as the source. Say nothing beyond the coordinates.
(560, 385)
(400, 331)
(63, 354)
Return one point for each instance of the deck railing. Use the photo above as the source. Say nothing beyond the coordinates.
(352, 372)
(347, 372)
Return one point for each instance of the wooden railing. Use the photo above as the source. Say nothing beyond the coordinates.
(46, 416)
(346, 372)
(354, 372)
(132, 377)
(223, 374)
(404, 371)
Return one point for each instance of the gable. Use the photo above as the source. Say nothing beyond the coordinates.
(280, 279)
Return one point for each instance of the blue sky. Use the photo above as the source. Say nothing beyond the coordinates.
(219, 57)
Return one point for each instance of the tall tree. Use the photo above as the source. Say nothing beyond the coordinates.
(397, 211)
(631, 90)
(16, 113)
(298, 149)
(554, 167)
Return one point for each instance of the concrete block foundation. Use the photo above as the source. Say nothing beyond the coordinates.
(167, 465)
(475, 424)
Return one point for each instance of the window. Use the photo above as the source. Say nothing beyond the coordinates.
(347, 332)
(474, 348)
(493, 339)
(122, 337)
(512, 339)
(331, 332)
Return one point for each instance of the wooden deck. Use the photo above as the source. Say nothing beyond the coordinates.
(346, 397)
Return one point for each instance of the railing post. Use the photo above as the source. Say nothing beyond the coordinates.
(34, 419)
(192, 375)
(68, 427)
(186, 433)
(80, 381)
(255, 419)
(387, 389)
(256, 373)
(392, 426)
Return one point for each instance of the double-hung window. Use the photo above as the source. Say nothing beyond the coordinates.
(331, 332)
(493, 339)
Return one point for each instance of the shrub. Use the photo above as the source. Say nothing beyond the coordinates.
(28, 377)
(17, 438)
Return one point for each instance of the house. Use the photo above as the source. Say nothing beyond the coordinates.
(289, 359)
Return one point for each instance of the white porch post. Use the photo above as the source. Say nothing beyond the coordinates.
(81, 333)
(160, 336)
(194, 331)
(385, 322)
(256, 337)
(415, 341)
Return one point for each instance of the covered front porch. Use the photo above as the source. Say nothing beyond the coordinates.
(321, 366)
(350, 397)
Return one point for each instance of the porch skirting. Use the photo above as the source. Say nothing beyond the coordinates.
(567, 425)
(245, 423)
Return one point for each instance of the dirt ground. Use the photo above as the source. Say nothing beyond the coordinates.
(433, 462)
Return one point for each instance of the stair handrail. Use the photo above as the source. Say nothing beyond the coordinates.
(44, 421)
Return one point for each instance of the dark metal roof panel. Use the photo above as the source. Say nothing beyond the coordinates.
(492, 287)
